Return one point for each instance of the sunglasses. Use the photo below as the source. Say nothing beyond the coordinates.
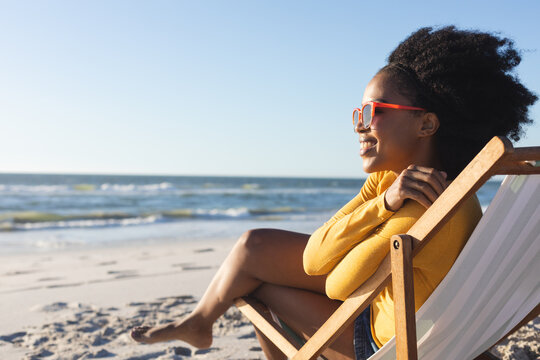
(365, 115)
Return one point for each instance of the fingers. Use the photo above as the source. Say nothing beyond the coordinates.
(432, 176)
(418, 196)
(422, 184)
(423, 176)
(418, 183)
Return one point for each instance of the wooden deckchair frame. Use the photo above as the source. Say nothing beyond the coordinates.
(498, 157)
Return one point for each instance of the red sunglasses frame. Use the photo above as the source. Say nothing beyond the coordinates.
(374, 105)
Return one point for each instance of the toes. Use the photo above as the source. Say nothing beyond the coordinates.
(138, 332)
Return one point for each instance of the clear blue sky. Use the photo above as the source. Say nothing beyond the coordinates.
(212, 87)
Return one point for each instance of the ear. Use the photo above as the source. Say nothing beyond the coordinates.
(429, 124)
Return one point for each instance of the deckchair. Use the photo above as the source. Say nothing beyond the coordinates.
(466, 314)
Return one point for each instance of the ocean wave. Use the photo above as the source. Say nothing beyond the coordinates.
(263, 192)
(24, 217)
(229, 213)
(33, 220)
(276, 210)
(165, 187)
(84, 223)
(206, 213)
(251, 186)
(87, 188)
(84, 187)
(34, 189)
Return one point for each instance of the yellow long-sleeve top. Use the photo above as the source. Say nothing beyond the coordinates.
(352, 244)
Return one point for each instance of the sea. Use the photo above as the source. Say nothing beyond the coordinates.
(43, 212)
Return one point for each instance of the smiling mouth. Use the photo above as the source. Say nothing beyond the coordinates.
(366, 146)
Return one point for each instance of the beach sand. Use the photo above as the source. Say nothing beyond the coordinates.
(81, 304)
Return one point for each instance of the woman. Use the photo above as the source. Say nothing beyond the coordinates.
(443, 94)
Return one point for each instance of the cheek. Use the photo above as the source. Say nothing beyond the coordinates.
(381, 124)
(391, 138)
(374, 123)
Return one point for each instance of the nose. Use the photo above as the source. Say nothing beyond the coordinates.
(359, 128)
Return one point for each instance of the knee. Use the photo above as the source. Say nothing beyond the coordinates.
(253, 242)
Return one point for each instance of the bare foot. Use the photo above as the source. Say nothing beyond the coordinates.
(185, 330)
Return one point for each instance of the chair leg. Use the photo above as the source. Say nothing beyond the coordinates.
(486, 356)
(403, 289)
(259, 315)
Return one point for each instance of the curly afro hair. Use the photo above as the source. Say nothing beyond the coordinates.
(465, 78)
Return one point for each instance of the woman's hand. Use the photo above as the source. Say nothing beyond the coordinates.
(421, 184)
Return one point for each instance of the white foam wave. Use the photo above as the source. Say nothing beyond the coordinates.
(136, 188)
(231, 212)
(87, 188)
(44, 189)
(86, 223)
(165, 187)
(241, 212)
(262, 192)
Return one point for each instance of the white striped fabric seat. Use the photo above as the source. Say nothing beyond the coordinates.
(494, 283)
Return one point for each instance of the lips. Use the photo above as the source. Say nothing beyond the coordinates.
(366, 145)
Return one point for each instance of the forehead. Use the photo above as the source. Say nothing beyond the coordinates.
(382, 89)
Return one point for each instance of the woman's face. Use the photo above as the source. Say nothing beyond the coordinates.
(391, 143)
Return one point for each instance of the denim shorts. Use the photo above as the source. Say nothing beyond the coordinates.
(364, 345)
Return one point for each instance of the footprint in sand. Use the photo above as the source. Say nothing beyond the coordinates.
(182, 351)
(54, 286)
(190, 266)
(56, 306)
(148, 356)
(53, 278)
(196, 267)
(12, 337)
(181, 264)
(206, 351)
(42, 353)
(103, 353)
(40, 341)
(203, 250)
(169, 302)
(19, 272)
(121, 274)
(251, 335)
(106, 263)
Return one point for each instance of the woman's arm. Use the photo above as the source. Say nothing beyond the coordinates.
(421, 184)
(332, 241)
(328, 244)
(364, 259)
(373, 206)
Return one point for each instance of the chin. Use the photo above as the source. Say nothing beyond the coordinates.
(369, 166)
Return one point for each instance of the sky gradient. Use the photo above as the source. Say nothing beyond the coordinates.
(261, 88)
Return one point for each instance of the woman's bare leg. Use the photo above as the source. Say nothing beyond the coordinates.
(304, 312)
(270, 350)
(259, 256)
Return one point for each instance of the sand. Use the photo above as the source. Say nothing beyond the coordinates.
(81, 304)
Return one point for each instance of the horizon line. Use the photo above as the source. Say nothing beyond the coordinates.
(363, 177)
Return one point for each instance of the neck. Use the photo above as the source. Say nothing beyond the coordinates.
(425, 155)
